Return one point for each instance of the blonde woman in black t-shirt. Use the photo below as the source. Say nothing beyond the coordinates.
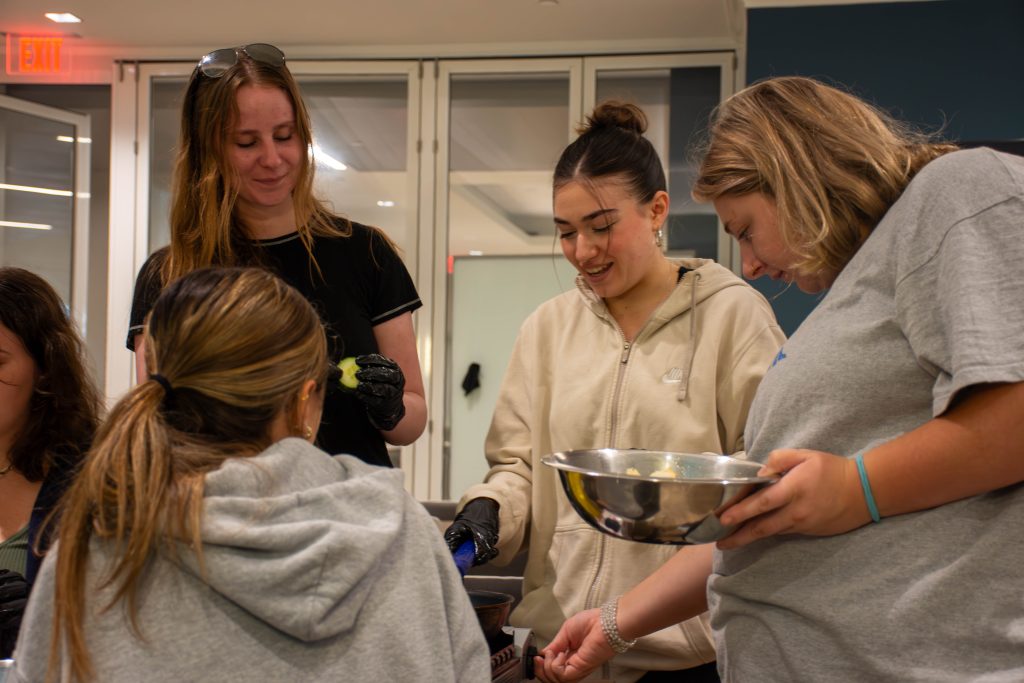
(242, 195)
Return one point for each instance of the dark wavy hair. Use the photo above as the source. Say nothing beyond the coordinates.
(65, 405)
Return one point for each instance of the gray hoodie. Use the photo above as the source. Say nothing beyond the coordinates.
(317, 568)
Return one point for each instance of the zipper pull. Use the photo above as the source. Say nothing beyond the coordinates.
(625, 352)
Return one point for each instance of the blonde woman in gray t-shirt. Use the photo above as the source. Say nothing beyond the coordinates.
(890, 549)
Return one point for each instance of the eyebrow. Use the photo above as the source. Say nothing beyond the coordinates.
(277, 127)
(588, 217)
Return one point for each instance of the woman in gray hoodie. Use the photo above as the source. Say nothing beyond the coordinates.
(207, 538)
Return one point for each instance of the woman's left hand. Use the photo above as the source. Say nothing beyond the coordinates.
(820, 495)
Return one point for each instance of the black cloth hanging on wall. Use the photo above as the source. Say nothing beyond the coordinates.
(472, 379)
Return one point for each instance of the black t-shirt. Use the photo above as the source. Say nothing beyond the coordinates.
(362, 283)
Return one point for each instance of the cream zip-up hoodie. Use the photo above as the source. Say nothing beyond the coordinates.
(683, 384)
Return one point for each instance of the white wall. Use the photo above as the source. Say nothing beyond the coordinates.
(491, 296)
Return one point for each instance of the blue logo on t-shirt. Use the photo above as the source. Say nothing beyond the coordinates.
(780, 356)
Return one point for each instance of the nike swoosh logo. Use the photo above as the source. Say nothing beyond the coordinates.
(672, 376)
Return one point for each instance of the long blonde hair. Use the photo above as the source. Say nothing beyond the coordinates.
(832, 163)
(235, 346)
(204, 227)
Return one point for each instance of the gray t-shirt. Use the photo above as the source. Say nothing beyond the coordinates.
(931, 304)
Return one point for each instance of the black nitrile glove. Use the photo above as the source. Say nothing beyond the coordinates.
(381, 389)
(13, 598)
(478, 522)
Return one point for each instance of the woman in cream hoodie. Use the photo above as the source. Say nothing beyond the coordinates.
(645, 352)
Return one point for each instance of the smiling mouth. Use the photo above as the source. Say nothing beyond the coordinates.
(595, 272)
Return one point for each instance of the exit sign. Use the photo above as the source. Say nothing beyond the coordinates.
(36, 55)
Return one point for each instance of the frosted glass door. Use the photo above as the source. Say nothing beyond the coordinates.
(44, 196)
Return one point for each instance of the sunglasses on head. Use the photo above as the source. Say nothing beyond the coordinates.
(216, 64)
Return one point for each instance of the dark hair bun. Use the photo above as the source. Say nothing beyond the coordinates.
(615, 114)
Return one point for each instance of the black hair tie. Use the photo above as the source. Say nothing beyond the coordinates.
(162, 381)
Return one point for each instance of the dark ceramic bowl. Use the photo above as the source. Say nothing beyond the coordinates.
(491, 610)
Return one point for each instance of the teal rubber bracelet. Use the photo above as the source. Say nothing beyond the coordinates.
(869, 498)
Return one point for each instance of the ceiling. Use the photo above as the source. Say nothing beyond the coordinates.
(141, 28)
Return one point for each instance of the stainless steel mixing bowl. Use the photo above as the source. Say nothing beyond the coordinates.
(615, 492)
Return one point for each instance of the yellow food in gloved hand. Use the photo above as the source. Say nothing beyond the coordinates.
(348, 369)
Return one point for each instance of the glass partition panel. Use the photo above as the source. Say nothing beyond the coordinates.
(36, 196)
(165, 97)
(44, 197)
(76, 102)
(677, 102)
(360, 129)
(506, 132)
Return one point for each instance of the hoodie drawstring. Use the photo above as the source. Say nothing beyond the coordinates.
(685, 383)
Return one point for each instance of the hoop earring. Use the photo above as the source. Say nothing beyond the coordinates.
(307, 431)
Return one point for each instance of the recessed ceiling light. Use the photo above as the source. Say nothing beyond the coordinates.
(385, 203)
(474, 252)
(68, 138)
(37, 190)
(63, 17)
(30, 226)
